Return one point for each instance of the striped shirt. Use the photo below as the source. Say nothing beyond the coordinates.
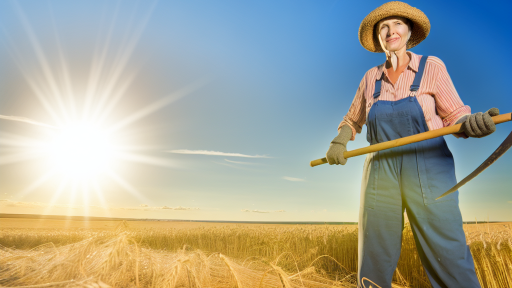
(437, 96)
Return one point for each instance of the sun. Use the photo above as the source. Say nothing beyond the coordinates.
(88, 147)
(80, 151)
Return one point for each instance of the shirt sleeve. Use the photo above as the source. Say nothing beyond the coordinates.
(449, 106)
(356, 116)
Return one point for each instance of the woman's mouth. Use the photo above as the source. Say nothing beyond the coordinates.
(392, 40)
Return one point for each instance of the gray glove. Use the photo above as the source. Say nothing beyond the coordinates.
(339, 145)
(479, 124)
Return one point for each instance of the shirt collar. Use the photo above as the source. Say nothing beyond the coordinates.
(415, 61)
(413, 64)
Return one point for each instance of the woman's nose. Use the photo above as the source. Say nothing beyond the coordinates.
(391, 31)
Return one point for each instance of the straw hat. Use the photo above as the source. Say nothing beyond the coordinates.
(420, 27)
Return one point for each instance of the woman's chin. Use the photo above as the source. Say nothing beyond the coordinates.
(393, 48)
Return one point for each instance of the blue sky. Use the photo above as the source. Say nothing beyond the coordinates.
(268, 79)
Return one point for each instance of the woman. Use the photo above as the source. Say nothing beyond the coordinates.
(406, 95)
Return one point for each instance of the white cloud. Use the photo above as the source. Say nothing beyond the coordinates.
(144, 207)
(214, 153)
(184, 208)
(261, 211)
(255, 211)
(26, 120)
(293, 179)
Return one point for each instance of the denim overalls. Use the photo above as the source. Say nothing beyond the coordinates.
(410, 177)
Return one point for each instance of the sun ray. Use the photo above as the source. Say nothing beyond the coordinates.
(143, 159)
(116, 97)
(98, 63)
(56, 195)
(65, 92)
(160, 103)
(120, 64)
(47, 72)
(13, 140)
(99, 194)
(36, 184)
(18, 157)
(74, 188)
(64, 67)
(27, 75)
(127, 186)
(85, 199)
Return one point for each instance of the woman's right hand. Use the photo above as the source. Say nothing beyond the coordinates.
(335, 154)
(339, 145)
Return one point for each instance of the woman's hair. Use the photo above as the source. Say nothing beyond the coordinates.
(409, 23)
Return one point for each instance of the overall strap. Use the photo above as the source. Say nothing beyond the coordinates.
(417, 79)
(376, 92)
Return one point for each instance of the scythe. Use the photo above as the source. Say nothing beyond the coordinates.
(505, 145)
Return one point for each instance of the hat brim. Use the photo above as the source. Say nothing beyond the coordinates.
(420, 27)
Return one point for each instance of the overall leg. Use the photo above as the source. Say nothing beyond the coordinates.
(380, 220)
(437, 225)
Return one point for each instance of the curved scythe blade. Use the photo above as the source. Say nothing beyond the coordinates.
(488, 162)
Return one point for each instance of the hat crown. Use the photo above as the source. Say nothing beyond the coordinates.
(420, 29)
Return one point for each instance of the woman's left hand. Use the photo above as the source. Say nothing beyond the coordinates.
(479, 124)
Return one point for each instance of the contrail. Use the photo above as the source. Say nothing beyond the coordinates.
(26, 120)
(215, 153)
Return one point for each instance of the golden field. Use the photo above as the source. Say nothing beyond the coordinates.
(62, 253)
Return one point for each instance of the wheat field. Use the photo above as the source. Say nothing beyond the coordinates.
(52, 253)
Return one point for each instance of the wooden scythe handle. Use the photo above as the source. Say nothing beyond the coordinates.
(409, 139)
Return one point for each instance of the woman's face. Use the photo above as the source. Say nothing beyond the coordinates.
(394, 32)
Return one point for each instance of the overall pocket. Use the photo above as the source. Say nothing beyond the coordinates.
(393, 125)
(437, 170)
